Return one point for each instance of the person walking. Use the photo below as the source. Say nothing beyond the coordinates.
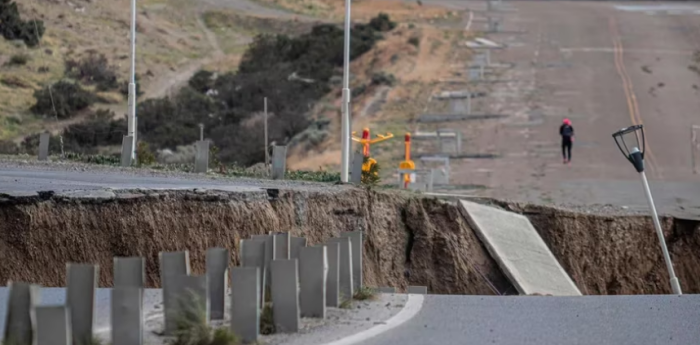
(567, 139)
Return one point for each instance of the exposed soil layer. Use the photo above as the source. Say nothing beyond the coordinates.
(410, 240)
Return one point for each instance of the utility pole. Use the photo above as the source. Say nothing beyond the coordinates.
(132, 83)
(267, 148)
(345, 108)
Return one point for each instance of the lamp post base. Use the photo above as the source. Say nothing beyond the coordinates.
(676, 286)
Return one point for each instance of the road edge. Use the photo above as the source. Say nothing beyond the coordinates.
(411, 309)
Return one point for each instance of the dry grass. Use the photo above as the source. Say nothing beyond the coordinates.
(362, 10)
(168, 37)
(418, 71)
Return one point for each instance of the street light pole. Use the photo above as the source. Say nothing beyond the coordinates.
(675, 284)
(345, 107)
(636, 157)
(132, 83)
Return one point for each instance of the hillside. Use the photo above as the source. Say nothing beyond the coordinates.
(177, 38)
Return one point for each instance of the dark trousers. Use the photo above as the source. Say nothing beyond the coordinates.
(566, 148)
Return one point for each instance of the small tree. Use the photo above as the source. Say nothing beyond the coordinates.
(68, 98)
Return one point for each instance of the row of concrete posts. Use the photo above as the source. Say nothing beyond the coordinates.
(302, 282)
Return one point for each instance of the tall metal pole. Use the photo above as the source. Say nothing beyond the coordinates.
(675, 285)
(345, 108)
(132, 83)
(267, 148)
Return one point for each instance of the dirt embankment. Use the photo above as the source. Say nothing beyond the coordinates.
(409, 240)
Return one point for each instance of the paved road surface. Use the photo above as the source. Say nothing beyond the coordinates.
(603, 64)
(600, 320)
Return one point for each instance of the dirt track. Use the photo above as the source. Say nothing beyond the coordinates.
(604, 68)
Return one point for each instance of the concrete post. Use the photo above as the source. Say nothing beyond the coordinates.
(44, 146)
(279, 162)
(356, 173)
(253, 255)
(357, 239)
(332, 279)
(80, 299)
(418, 290)
(127, 149)
(53, 325)
(201, 158)
(172, 264)
(285, 295)
(295, 244)
(270, 251)
(217, 276)
(127, 315)
(313, 267)
(190, 295)
(345, 282)
(19, 323)
(282, 246)
(245, 303)
(129, 272)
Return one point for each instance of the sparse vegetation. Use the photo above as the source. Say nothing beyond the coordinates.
(365, 293)
(93, 69)
(267, 322)
(13, 27)
(193, 328)
(18, 60)
(414, 40)
(144, 154)
(371, 177)
(382, 78)
(346, 304)
(67, 97)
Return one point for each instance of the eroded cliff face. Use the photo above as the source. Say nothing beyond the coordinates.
(618, 255)
(409, 240)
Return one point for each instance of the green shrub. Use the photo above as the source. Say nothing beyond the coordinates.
(313, 176)
(382, 23)
(18, 60)
(371, 177)
(415, 41)
(144, 154)
(382, 78)
(192, 327)
(267, 322)
(7, 147)
(365, 293)
(12, 27)
(68, 98)
(202, 81)
(93, 69)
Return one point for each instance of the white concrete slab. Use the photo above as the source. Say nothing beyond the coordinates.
(519, 250)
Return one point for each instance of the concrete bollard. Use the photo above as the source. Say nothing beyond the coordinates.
(19, 323)
(279, 162)
(253, 255)
(245, 303)
(172, 264)
(80, 299)
(201, 156)
(295, 244)
(127, 315)
(127, 148)
(357, 239)
(190, 295)
(53, 325)
(129, 272)
(282, 246)
(332, 283)
(387, 289)
(217, 276)
(356, 173)
(285, 295)
(270, 250)
(345, 283)
(44, 146)
(313, 267)
(418, 290)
